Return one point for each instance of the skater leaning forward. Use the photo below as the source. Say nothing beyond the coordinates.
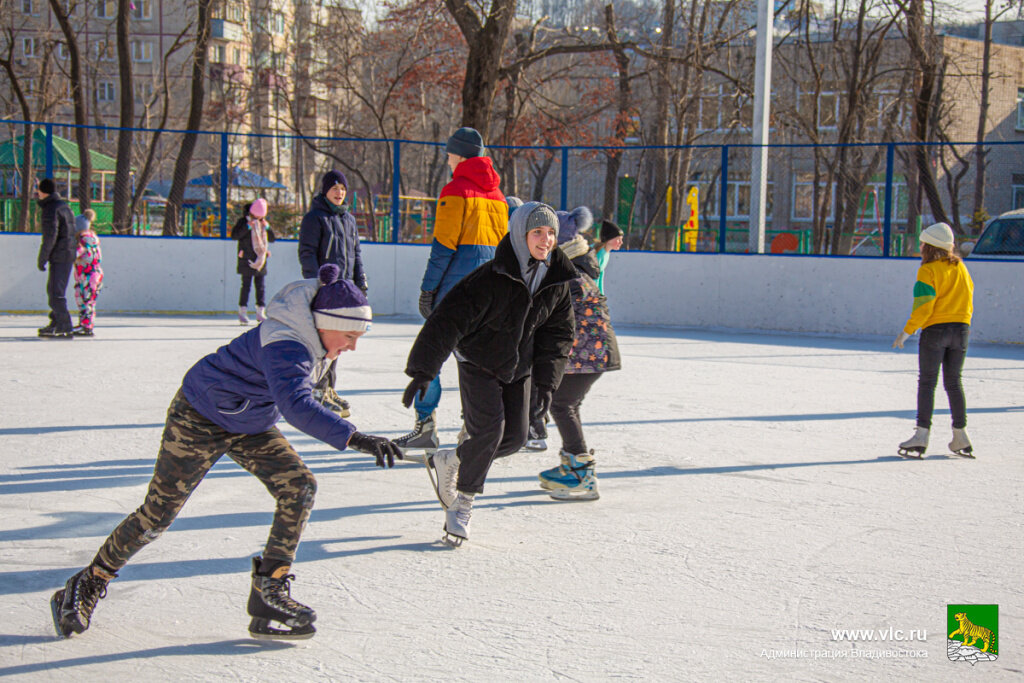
(510, 324)
(229, 403)
(943, 305)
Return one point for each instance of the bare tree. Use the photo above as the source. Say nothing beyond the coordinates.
(62, 11)
(7, 63)
(122, 218)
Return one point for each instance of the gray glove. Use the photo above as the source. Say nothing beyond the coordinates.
(426, 303)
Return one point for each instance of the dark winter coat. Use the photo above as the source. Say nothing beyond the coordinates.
(246, 386)
(242, 233)
(328, 237)
(58, 226)
(490, 319)
(595, 348)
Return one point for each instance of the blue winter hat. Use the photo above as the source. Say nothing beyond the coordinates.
(465, 142)
(332, 178)
(572, 223)
(339, 304)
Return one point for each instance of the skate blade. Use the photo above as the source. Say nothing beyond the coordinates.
(452, 541)
(916, 453)
(965, 453)
(261, 629)
(433, 482)
(572, 495)
(55, 603)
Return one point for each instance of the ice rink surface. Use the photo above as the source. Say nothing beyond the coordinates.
(751, 503)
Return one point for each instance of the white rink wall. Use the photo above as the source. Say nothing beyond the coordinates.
(828, 295)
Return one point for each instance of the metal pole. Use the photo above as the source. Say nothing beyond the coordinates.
(762, 106)
(565, 179)
(224, 180)
(890, 151)
(723, 199)
(396, 183)
(49, 151)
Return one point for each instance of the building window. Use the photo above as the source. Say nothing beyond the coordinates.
(142, 51)
(1018, 190)
(28, 7)
(1020, 108)
(29, 47)
(724, 109)
(236, 56)
(143, 92)
(143, 9)
(218, 54)
(105, 51)
(105, 91)
(106, 9)
(803, 198)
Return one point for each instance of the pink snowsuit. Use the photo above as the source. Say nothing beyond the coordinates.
(88, 277)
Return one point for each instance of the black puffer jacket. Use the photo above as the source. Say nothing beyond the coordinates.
(326, 236)
(58, 226)
(492, 321)
(242, 233)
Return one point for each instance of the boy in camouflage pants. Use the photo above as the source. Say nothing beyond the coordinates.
(228, 404)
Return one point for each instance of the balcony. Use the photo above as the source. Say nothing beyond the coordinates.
(226, 30)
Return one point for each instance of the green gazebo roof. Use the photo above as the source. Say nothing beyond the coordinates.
(65, 153)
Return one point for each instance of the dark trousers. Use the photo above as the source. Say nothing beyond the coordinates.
(190, 447)
(565, 408)
(943, 345)
(243, 296)
(56, 293)
(496, 416)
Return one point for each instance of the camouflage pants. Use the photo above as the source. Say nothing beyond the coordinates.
(190, 447)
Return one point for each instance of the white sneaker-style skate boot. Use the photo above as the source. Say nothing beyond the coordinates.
(915, 446)
(961, 443)
(456, 519)
(574, 479)
(443, 469)
(261, 313)
(243, 315)
(422, 437)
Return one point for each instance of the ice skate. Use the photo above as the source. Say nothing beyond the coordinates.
(329, 399)
(72, 606)
(270, 601)
(573, 479)
(456, 519)
(261, 313)
(47, 331)
(915, 446)
(961, 443)
(443, 470)
(536, 441)
(422, 437)
(82, 331)
(243, 317)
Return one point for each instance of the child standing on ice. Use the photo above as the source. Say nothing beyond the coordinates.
(88, 273)
(510, 324)
(943, 305)
(229, 403)
(610, 239)
(253, 235)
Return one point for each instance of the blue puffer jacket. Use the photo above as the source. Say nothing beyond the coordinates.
(247, 385)
(329, 237)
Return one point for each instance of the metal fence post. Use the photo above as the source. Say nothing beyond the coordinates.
(890, 151)
(49, 152)
(396, 184)
(723, 200)
(565, 179)
(224, 180)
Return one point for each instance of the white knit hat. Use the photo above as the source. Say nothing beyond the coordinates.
(339, 304)
(939, 235)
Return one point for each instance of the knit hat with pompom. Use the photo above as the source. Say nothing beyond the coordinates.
(339, 304)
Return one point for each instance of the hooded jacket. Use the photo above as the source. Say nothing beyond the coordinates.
(471, 219)
(493, 322)
(329, 237)
(246, 386)
(58, 227)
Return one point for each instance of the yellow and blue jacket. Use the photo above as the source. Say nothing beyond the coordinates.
(471, 218)
(943, 293)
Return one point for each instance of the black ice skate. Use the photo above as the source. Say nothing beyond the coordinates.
(270, 601)
(422, 437)
(73, 604)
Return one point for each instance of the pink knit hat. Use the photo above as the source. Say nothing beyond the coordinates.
(258, 208)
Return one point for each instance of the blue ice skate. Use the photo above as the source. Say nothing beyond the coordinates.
(573, 479)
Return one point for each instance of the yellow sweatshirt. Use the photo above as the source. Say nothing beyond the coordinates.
(943, 293)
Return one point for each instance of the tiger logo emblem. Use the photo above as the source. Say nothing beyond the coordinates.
(972, 633)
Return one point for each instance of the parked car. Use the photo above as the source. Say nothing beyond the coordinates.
(1002, 238)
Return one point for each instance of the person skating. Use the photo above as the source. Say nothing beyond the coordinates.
(471, 218)
(609, 239)
(254, 236)
(58, 252)
(510, 324)
(88, 272)
(943, 306)
(229, 403)
(594, 352)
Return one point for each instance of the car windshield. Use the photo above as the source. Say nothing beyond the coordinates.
(1002, 236)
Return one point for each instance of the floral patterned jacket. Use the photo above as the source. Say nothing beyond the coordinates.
(594, 348)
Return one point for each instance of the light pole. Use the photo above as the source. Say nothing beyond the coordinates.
(762, 107)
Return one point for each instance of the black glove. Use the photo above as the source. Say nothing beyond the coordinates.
(543, 401)
(42, 266)
(418, 385)
(426, 303)
(377, 446)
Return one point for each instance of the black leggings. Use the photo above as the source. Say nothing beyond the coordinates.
(942, 345)
(243, 296)
(565, 408)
